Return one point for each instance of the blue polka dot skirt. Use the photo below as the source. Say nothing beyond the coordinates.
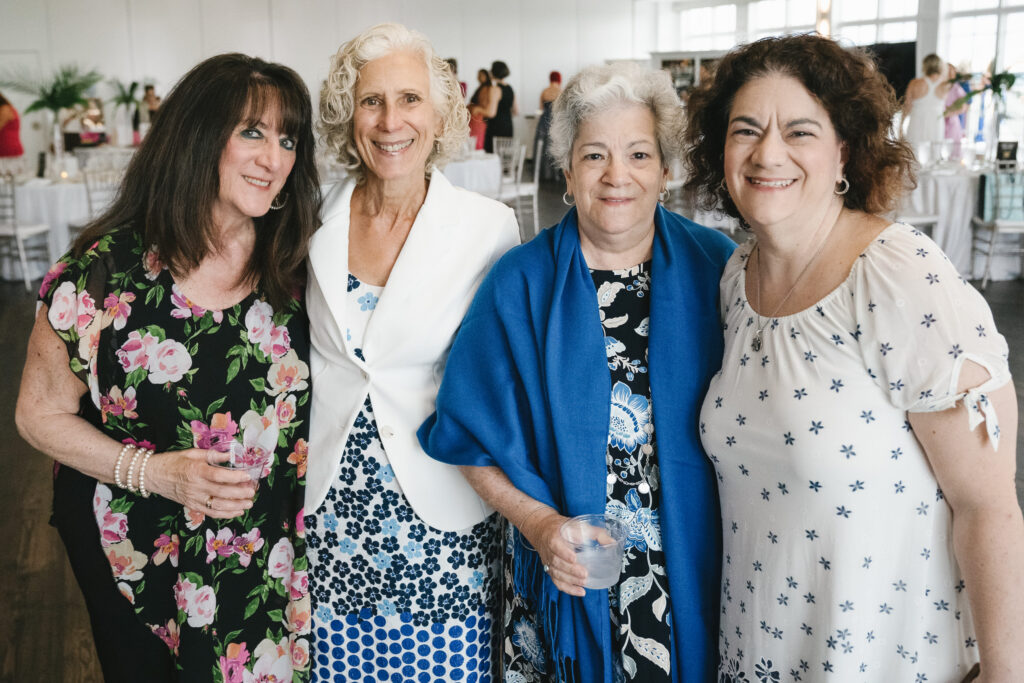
(394, 599)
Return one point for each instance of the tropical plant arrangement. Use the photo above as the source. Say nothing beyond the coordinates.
(998, 84)
(64, 89)
(124, 95)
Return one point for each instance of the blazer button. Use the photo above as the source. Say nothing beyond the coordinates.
(365, 375)
(387, 432)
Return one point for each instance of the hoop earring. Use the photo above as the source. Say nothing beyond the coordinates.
(845, 184)
(279, 201)
(664, 195)
(723, 187)
(567, 199)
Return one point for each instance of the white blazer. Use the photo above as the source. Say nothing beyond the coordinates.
(456, 237)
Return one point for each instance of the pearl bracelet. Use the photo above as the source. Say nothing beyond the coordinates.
(142, 474)
(131, 470)
(117, 465)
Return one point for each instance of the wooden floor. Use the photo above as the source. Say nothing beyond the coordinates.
(44, 630)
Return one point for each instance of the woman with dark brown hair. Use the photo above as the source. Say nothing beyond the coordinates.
(870, 531)
(170, 341)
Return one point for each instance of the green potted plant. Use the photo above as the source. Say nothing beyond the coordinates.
(63, 89)
(125, 111)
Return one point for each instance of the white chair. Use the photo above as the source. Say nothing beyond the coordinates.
(508, 189)
(14, 234)
(530, 190)
(1003, 215)
(925, 222)
(101, 187)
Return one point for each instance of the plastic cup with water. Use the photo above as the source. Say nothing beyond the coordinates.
(251, 460)
(599, 542)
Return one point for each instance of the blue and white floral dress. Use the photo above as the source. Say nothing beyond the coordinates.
(838, 549)
(394, 599)
(639, 602)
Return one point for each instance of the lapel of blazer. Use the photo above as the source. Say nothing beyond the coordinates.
(411, 285)
(328, 253)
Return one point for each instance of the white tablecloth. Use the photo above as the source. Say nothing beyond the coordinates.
(55, 204)
(480, 172)
(952, 195)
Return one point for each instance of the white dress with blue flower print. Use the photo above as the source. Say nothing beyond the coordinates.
(838, 558)
(392, 598)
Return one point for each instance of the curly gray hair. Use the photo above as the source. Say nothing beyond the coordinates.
(337, 96)
(596, 88)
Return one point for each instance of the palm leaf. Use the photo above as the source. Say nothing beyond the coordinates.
(124, 95)
(63, 89)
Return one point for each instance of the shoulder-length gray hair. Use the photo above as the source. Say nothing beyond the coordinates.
(598, 88)
(337, 96)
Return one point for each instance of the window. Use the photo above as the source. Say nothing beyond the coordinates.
(876, 21)
(776, 17)
(708, 28)
(974, 32)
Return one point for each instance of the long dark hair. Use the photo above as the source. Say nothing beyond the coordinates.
(171, 185)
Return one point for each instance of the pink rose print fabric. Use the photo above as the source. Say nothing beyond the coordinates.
(230, 599)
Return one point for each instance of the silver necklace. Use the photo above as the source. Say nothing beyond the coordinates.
(757, 342)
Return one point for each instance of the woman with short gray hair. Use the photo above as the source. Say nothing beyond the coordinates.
(577, 344)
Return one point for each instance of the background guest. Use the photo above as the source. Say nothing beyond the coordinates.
(611, 312)
(955, 119)
(150, 102)
(478, 106)
(501, 106)
(547, 101)
(453, 64)
(10, 126)
(871, 521)
(924, 103)
(398, 543)
(173, 331)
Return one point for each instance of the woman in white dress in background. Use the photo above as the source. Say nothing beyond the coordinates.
(863, 425)
(403, 555)
(925, 103)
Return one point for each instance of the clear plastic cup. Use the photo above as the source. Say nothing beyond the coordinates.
(250, 460)
(599, 542)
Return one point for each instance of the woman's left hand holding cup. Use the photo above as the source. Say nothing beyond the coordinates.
(194, 479)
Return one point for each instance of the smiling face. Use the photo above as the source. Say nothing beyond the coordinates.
(395, 124)
(615, 173)
(253, 168)
(783, 157)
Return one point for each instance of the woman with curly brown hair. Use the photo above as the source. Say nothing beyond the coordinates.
(869, 530)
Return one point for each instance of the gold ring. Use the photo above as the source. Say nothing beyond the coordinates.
(209, 502)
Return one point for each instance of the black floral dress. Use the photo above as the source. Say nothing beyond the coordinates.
(639, 602)
(228, 597)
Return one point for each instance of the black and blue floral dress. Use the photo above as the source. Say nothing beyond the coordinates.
(639, 603)
(394, 599)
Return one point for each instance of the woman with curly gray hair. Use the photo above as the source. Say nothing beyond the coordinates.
(577, 345)
(402, 551)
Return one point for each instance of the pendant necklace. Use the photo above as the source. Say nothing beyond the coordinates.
(757, 342)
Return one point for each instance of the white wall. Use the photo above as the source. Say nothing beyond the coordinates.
(156, 42)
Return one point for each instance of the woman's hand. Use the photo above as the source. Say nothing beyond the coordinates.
(188, 478)
(543, 530)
